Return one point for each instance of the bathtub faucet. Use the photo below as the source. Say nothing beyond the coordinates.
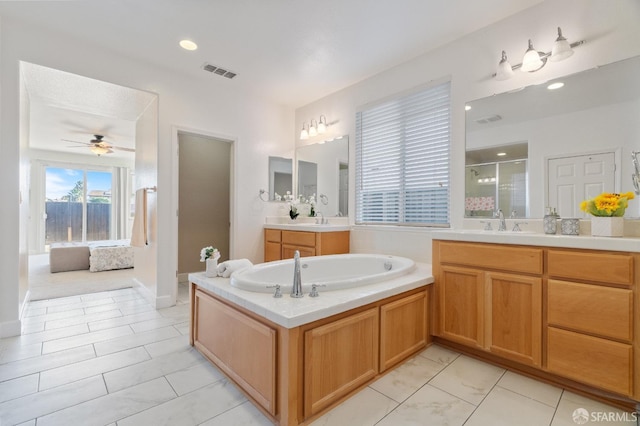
(296, 289)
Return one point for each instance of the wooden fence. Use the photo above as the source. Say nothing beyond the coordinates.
(64, 221)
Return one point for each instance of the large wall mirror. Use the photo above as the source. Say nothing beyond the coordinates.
(323, 170)
(572, 137)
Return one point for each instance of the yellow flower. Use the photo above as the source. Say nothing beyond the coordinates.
(607, 204)
(583, 205)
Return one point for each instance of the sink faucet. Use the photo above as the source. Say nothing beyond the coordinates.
(321, 220)
(296, 289)
(502, 226)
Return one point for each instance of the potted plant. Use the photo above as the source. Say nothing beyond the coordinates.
(607, 210)
(210, 256)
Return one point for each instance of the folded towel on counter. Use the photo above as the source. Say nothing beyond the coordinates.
(228, 267)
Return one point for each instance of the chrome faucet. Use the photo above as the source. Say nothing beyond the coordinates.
(502, 225)
(296, 289)
(321, 220)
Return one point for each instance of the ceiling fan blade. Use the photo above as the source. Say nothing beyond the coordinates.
(121, 148)
(83, 143)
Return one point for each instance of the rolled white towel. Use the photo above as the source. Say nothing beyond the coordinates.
(226, 268)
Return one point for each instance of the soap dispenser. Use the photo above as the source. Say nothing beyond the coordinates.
(550, 221)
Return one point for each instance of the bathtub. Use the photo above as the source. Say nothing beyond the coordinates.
(333, 272)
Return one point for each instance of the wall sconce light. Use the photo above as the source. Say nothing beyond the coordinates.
(535, 60)
(315, 128)
(322, 125)
(304, 133)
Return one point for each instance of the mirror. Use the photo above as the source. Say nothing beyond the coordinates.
(496, 178)
(594, 112)
(323, 170)
(280, 177)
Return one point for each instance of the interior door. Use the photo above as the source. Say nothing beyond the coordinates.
(576, 178)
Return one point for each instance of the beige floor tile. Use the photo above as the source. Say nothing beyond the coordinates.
(541, 392)
(365, 408)
(400, 383)
(245, 414)
(439, 354)
(468, 379)
(505, 408)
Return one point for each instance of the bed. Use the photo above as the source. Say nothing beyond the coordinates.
(95, 256)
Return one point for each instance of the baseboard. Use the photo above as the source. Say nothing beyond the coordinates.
(25, 302)
(10, 328)
(183, 278)
(152, 298)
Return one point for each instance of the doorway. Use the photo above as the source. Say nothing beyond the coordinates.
(579, 177)
(204, 194)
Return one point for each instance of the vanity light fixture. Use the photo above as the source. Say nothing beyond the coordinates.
(535, 60)
(313, 128)
(322, 124)
(304, 133)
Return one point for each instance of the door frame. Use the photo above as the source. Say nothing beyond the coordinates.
(175, 187)
(617, 173)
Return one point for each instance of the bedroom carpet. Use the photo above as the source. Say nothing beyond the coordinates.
(45, 285)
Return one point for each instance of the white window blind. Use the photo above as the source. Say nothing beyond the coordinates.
(402, 159)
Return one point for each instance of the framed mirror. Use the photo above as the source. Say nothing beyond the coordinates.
(323, 169)
(574, 127)
(280, 177)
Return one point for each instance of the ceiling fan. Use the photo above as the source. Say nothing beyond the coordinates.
(99, 147)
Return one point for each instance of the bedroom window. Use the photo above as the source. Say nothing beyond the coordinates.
(402, 159)
(78, 205)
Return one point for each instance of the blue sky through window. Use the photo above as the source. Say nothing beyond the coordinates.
(59, 181)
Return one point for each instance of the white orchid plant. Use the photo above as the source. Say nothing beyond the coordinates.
(295, 202)
(209, 252)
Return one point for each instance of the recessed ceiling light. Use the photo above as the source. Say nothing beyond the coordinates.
(188, 45)
(554, 86)
(467, 107)
(501, 154)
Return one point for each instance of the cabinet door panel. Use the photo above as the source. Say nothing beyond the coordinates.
(493, 256)
(515, 304)
(224, 334)
(461, 294)
(339, 357)
(272, 251)
(598, 362)
(403, 328)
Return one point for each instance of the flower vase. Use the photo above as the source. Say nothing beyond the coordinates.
(212, 268)
(607, 226)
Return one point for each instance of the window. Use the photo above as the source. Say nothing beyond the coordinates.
(402, 159)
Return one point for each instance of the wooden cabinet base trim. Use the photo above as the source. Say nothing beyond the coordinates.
(542, 375)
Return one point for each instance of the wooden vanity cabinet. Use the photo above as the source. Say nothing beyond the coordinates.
(590, 328)
(489, 297)
(282, 244)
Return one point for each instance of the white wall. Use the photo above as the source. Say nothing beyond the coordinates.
(259, 128)
(612, 31)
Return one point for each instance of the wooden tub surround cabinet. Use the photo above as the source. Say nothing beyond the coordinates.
(565, 316)
(293, 375)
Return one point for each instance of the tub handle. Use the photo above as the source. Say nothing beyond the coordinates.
(314, 290)
(277, 293)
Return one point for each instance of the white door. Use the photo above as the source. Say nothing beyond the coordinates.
(577, 178)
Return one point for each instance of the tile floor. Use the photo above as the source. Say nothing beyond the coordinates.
(108, 358)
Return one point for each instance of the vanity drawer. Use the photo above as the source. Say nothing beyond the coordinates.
(598, 362)
(272, 235)
(594, 309)
(489, 256)
(600, 267)
(299, 238)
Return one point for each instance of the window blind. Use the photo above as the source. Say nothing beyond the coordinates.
(402, 159)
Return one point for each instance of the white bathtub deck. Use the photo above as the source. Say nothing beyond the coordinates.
(290, 312)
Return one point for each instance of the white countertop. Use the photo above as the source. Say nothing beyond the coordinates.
(310, 227)
(630, 244)
(290, 312)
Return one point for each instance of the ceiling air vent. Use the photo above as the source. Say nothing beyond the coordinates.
(488, 119)
(219, 71)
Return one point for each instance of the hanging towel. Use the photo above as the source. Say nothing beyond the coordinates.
(139, 231)
(226, 268)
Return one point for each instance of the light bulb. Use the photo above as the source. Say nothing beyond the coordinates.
(504, 71)
(531, 61)
(304, 134)
(561, 48)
